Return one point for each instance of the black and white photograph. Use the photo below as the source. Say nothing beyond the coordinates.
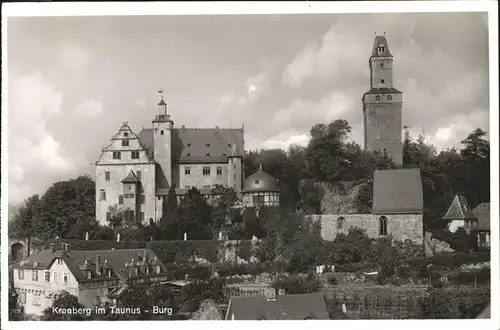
(259, 165)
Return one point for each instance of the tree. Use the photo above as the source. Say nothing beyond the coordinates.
(117, 216)
(208, 311)
(195, 216)
(25, 220)
(170, 217)
(251, 226)
(221, 208)
(64, 300)
(15, 311)
(66, 210)
(312, 196)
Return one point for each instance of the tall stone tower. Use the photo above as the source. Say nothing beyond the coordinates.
(382, 105)
(162, 140)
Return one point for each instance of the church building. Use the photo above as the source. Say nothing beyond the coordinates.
(135, 171)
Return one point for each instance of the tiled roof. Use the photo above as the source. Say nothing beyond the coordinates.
(397, 191)
(131, 178)
(199, 145)
(459, 210)
(285, 307)
(483, 215)
(75, 260)
(381, 41)
(260, 182)
(384, 90)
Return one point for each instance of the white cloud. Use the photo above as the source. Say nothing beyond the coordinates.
(90, 108)
(284, 140)
(73, 57)
(35, 157)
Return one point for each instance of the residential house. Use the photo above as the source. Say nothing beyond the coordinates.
(482, 213)
(460, 215)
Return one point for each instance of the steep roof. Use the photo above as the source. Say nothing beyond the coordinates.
(397, 191)
(260, 182)
(131, 178)
(200, 145)
(483, 215)
(285, 307)
(459, 210)
(75, 260)
(380, 41)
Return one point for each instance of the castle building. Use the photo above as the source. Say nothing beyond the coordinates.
(382, 106)
(136, 171)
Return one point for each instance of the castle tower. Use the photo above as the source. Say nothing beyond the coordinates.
(162, 141)
(382, 106)
(235, 161)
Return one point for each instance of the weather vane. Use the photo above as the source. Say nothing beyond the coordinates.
(160, 91)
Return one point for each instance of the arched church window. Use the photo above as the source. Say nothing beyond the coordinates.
(382, 226)
(340, 223)
(377, 98)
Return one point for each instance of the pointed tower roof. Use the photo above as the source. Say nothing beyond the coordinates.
(131, 178)
(380, 47)
(459, 210)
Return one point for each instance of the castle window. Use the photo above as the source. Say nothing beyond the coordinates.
(187, 187)
(206, 170)
(207, 154)
(389, 97)
(189, 145)
(102, 195)
(120, 199)
(340, 223)
(380, 50)
(142, 199)
(161, 132)
(108, 214)
(382, 226)
(381, 65)
(188, 154)
(382, 81)
(117, 155)
(107, 176)
(135, 154)
(124, 143)
(207, 145)
(219, 170)
(20, 274)
(187, 170)
(141, 216)
(34, 275)
(139, 175)
(377, 98)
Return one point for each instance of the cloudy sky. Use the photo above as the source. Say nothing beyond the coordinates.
(74, 81)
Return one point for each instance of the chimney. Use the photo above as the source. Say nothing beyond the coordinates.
(98, 265)
(281, 292)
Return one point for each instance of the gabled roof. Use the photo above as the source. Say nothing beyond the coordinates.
(131, 178)
(200, 145)
(285, 307)
(260, 181)
(459, 210)
(397, 191)
(75, 260)
(483, 215)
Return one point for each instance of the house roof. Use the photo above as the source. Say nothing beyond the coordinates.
(200, 145)
(76, 260)
(459, 210)
(285, 307)
(397, 191)
(482, 213)
(260, 182)
(131, 178)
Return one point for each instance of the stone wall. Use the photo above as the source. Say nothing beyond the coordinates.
(401, 226)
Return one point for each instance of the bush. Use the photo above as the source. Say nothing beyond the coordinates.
(481, 276)
(332, 280)
(456, 303)
(296, 285)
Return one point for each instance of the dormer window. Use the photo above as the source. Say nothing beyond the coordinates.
(59, 261)
(257, 181)
(125, 134)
